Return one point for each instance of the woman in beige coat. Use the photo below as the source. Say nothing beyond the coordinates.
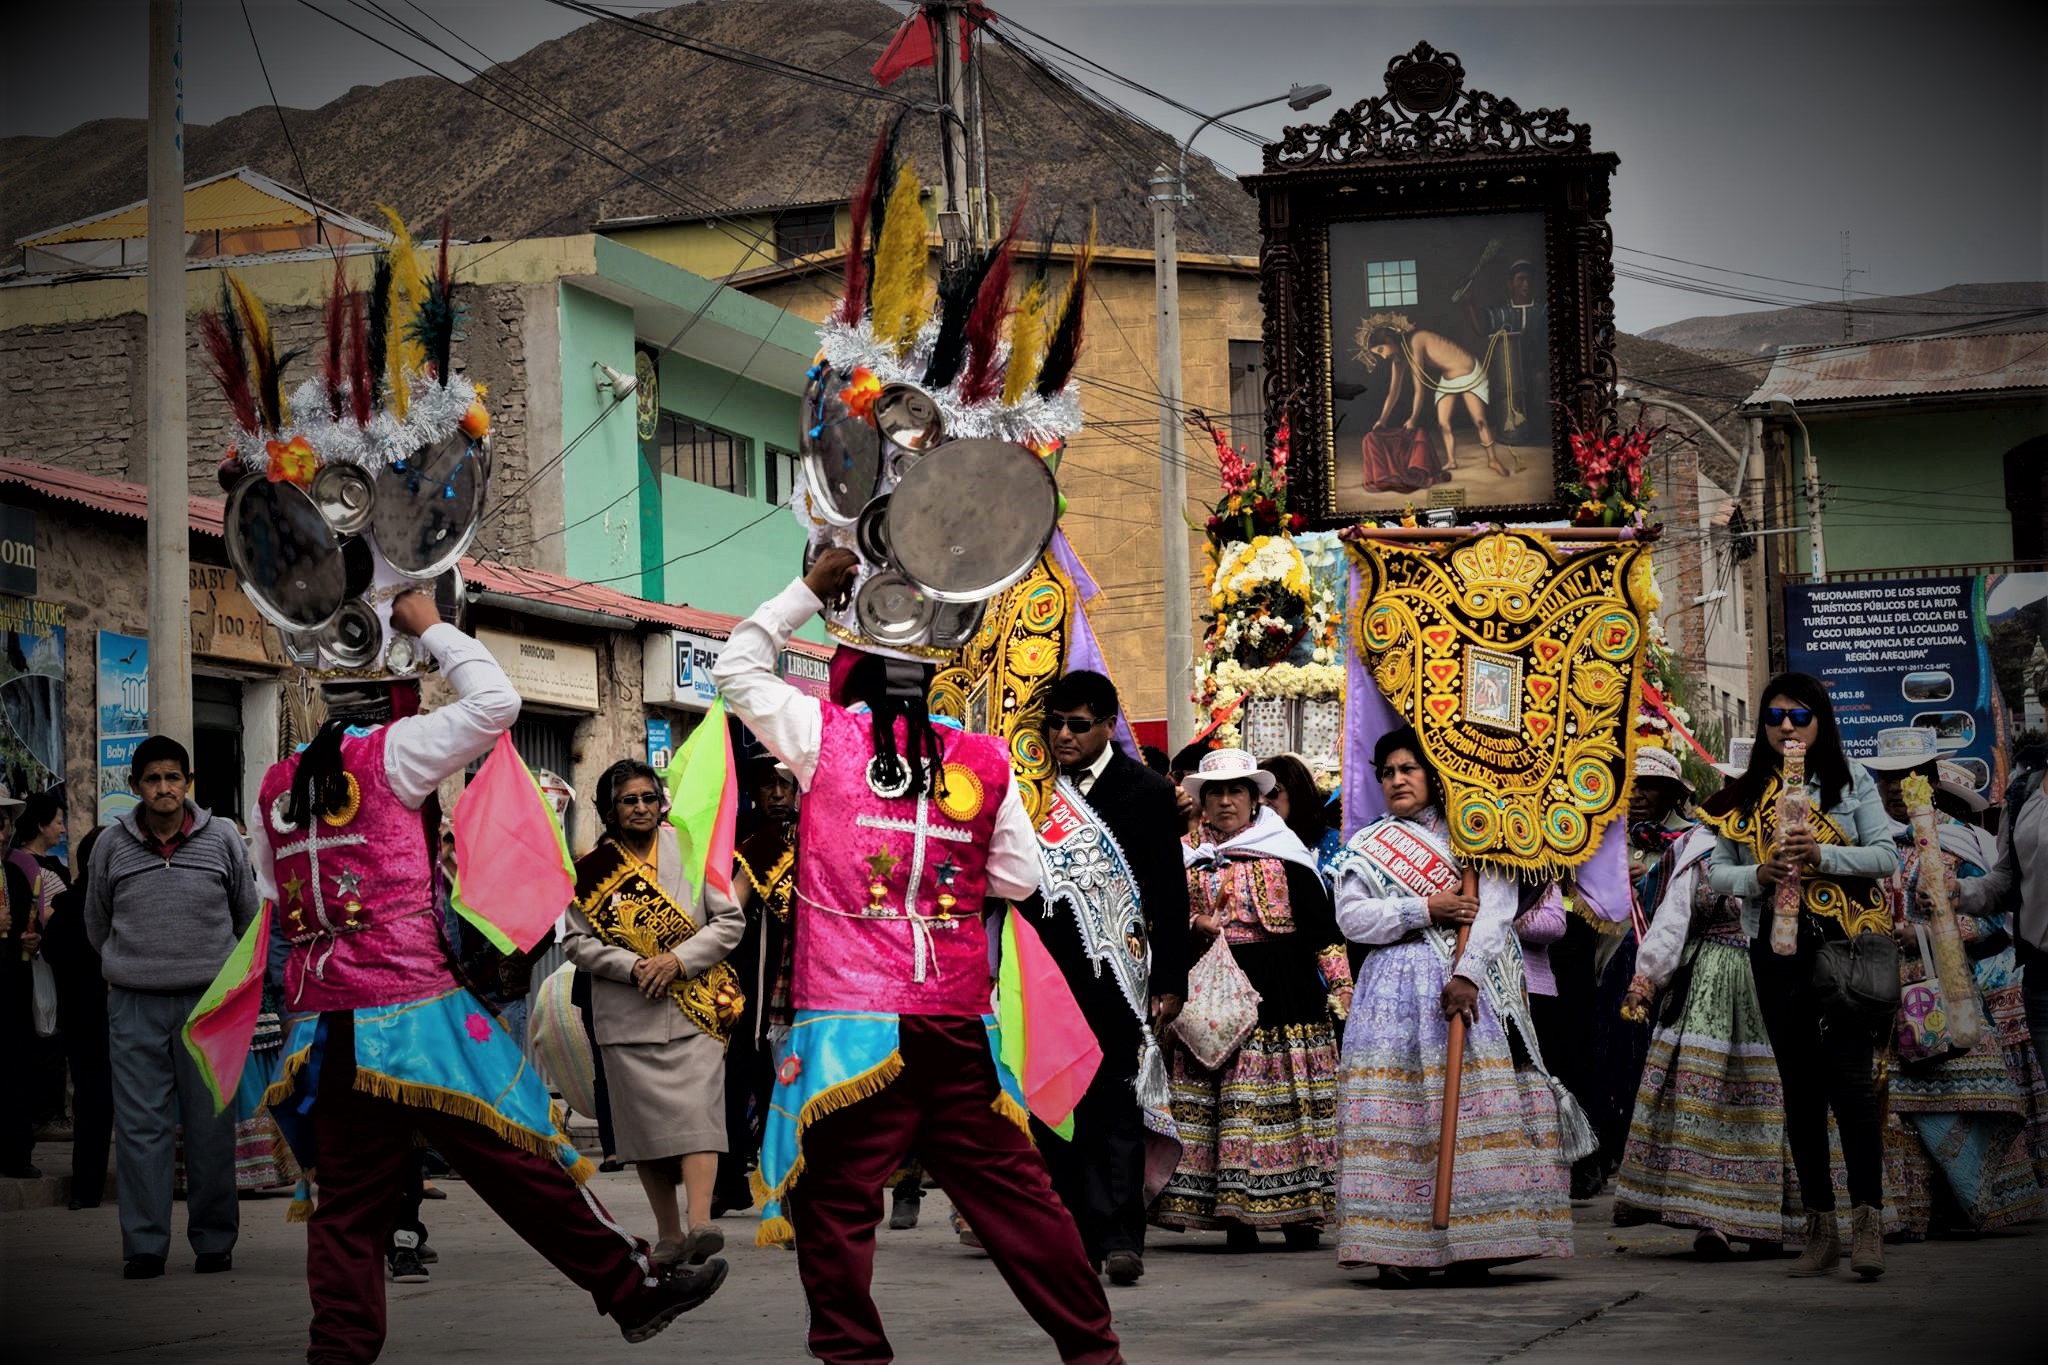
(663, 1002)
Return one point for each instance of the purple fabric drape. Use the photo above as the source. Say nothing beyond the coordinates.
(1084, 651)
(1367, 716)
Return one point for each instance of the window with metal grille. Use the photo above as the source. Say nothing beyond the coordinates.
(704, 454)
(1389, 284)
(781, 473)
(1247, 395)
(803, 232)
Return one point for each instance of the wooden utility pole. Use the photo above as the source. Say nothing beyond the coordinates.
(956, 221)
(170, 518)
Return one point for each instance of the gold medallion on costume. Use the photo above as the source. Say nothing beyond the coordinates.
(999, 683)
(960, 794)
(1519, 668)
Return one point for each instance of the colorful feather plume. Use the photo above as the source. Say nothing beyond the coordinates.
(985, 322)
(957, 293)
(1027, 329)
(379, 308)
(433, 325)
(865, 202)
(337, 339)
(1065, 346)
(402, 350)
(361, 384)
(263, 352)
(220, 330)
(899, 309)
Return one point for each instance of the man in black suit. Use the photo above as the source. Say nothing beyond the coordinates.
(1100, 1173)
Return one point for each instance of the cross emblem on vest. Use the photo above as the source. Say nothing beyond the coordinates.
(921, 831)
(345, 886)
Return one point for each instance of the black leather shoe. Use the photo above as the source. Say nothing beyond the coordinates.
(680, 1290)
(1125, 1267)
(214, 1262)
(142, 1268)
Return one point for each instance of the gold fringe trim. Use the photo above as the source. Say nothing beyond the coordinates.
(870, 1082)
(1011, 1110)
(475, 1110)
(775, 1232)
(287, 1077)
(299, 1211)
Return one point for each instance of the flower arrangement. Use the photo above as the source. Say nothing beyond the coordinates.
(1254, 500)
(1261, 595)
(1613, 488)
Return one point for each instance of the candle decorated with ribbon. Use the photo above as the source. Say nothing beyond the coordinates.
(1950, 966)
(1792, 811)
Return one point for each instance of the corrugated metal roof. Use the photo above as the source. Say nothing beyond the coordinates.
(1909, 367)
(122, 499)
(233, 201)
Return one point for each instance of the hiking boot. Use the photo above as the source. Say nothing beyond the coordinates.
(406, 1267)
(643, 1316)
(1866, 1241)
(702, 1242)
(904, 1203)
(1823, 1247)
(1124, 1267)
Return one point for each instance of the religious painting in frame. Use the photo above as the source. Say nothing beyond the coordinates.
(1437, 273)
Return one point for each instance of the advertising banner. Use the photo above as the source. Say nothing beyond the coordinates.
(31, 695)
(1963, 656)
(123, 702)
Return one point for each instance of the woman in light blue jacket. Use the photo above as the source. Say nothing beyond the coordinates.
(1840, 858)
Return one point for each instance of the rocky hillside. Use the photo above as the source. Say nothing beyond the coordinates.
(1985, 307)
(699, 134)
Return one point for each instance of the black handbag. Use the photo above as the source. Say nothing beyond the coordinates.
(1856, 981)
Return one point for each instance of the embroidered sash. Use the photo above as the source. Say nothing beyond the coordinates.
(1855, 903)
(627, 908)
(1081, 866)
(777, 886)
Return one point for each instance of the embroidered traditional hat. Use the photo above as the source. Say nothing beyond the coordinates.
(1957, 781)
(369, 480)
(1902, 747)
(932, 432)
(1228, 765)
(1652, 761)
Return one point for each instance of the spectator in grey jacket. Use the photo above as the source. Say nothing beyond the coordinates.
(170, 892)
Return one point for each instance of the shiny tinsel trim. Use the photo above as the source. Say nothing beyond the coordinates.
(1034, 421)
(433, 415)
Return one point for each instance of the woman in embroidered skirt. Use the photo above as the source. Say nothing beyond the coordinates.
(1398, 892)
(1964, 1147)
(1258, 1137)
(1835, 861)
(1706, 1142)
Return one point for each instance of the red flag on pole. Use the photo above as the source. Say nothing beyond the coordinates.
(914, 44)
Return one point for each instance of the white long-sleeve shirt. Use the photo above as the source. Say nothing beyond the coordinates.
(421, 751)
(791, 724)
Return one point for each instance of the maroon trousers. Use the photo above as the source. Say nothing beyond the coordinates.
(365, 1144)
(941, 1107)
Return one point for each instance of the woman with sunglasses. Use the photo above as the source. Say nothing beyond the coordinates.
(1840, 857)
(663, 1002)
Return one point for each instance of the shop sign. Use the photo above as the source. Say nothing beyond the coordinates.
(680, 673)
(17, 551)
(807, 673)
(546, 672)
(226, 624)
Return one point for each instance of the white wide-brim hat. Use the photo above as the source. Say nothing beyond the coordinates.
(1901, 747)
(1228, 765)
(1652, 761)
(1954, 779)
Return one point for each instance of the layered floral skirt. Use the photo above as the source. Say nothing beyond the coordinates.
(1967, 1137)
(1706, 1144)
(1259, 1137)
(1510, 1190)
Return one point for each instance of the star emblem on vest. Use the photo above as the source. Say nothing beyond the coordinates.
(881, 866)
(294, 888)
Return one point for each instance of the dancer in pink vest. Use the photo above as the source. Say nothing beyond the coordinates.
(905, 831)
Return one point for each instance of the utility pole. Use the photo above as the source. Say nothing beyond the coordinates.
(170, 572)
(1167, 193)
(956, 233)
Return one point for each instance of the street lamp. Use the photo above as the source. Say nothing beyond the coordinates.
(1169, 188)
(1782, 406)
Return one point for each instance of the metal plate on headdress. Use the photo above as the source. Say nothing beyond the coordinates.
(971, 518)
(427, 508)
(285, 554)
(891, 609)
(871, 533)
(908, 418)
(842, 455)
(954, 623)
(355, 637)
(344, 495)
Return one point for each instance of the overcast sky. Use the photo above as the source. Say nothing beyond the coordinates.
(1751, 136)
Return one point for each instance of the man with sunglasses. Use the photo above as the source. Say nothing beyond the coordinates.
(1100, 1174)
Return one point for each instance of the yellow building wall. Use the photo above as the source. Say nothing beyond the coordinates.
(717, 248)
(1110, 474)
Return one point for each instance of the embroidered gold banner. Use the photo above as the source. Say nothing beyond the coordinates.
(999, 683)
(629, 909)
(1519, 668)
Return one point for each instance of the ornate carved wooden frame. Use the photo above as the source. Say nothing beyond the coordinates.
(1429, 148)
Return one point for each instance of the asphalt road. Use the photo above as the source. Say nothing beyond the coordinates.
(1634, 1295)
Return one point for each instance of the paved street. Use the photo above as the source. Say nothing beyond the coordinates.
(1629, 1295)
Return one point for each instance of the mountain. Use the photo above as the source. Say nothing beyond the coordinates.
(711, 135)
(1986, 307)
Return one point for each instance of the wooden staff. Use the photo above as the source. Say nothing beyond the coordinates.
(1454, 1076)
